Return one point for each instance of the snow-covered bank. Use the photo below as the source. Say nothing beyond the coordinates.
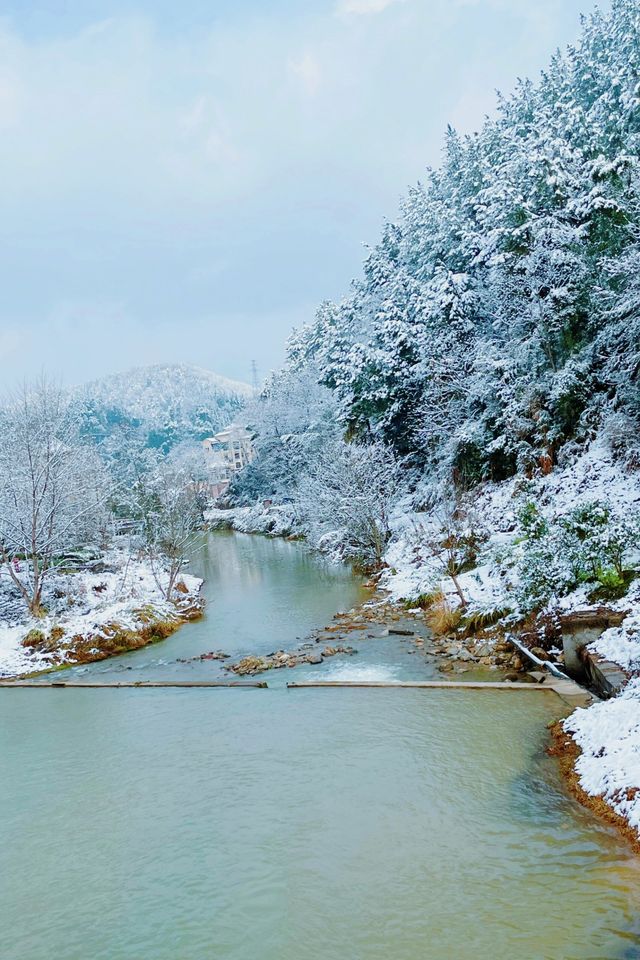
(119, 598)
(275, 520)
(492, 510)
(607, 733)
(621, 644)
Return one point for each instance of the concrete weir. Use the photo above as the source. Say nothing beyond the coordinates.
(567, 690)
(570, 692)
(137, 685)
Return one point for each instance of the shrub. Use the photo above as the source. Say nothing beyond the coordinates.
(589, 544)
(611, 586)
(544, 572)
(598, 540)
(425, 600)
(532, 523)
(55, 635)
(34, 638)
(452, 543)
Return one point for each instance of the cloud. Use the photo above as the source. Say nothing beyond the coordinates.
(10, 103)
(307, 70)
(363, 7)
(215, 183)
(12, 343)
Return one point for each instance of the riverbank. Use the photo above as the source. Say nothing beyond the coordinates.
(268, 519)
(114, 606)
(612, 808)
(603, 744)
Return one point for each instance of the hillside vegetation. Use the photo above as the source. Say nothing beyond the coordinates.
(495, 331)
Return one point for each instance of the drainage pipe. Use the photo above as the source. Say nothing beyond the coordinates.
(545, 664)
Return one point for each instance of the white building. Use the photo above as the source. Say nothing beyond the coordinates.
(226, 453)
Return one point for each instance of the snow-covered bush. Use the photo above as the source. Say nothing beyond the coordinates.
(589, 544)
(345, 496)
(277, 520)
(544, 570)
(599, 538)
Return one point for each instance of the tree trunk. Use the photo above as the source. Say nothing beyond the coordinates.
(173, 576)
(456, 583)
(35, 606)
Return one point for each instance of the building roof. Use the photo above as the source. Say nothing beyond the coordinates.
(233, 432)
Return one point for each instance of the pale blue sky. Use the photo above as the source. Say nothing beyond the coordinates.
(185, 181)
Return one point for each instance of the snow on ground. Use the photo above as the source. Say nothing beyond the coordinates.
(275, 520)
(221, 517)
(411, 571)
(13, 657)
(622, 644)
(608, 734)
(83, 603)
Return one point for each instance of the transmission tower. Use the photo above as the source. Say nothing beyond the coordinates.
(254, 376)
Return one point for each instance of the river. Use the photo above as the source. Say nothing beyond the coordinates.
(353, 824)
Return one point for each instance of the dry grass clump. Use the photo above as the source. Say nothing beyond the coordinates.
(442, 619)
(424, 600)
(480, 620)
(38, 640)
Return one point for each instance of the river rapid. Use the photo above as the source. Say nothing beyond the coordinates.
(336, 824)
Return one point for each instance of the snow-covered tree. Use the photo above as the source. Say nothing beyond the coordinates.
(450, 542)
(53, 489)
(170, 513)
(618, 350)
(495, 322)
(345, 497)
(293, 418)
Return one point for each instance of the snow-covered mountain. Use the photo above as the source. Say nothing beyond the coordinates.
(164, 404)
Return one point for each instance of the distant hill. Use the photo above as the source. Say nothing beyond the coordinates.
(163, 405)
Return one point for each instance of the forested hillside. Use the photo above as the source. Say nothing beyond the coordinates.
(496, 327)
(161, 406)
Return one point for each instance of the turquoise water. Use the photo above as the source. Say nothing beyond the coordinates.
(337, 824)
(264, 595)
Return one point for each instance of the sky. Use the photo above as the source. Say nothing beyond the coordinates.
(187, 181)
